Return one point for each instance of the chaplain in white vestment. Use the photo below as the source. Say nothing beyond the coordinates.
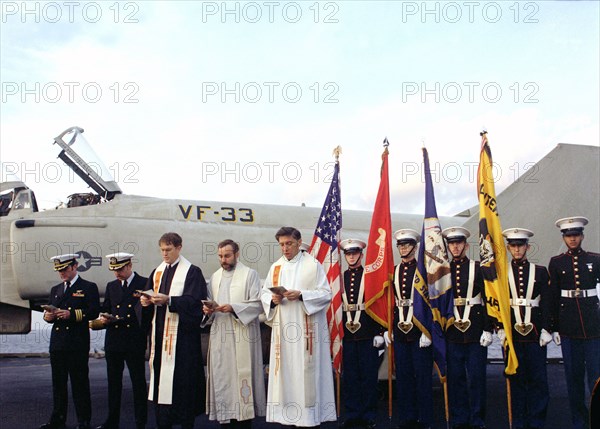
(236, 382)
(295, 297)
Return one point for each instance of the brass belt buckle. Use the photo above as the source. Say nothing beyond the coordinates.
(460, 301)
(462, 325)
(353, 327)
(523, 328)
(405, 326)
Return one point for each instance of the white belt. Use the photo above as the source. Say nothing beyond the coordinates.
(353, 307)
(524, 302)
(578, 293)
(464, 301)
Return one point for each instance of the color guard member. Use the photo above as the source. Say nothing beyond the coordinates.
(530, 317)
(413, 355)
(469, 337)
(362, 339)
(575, 284)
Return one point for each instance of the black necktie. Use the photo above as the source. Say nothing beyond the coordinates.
(124, 284)
(67, 286)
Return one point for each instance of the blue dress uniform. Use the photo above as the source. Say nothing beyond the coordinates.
(529, 385)
(360, 358)
(70, 347)
(414, 364)
(125, 343)
(466, 357)
(574, 279)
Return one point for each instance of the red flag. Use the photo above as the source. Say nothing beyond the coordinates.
(325, 248)
(379, 262)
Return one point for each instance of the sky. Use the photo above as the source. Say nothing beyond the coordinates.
(245, 101)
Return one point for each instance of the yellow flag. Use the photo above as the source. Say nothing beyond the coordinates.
(492, 252)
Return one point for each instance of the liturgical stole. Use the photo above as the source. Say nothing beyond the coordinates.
(169, 343)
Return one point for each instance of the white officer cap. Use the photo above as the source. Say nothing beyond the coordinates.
(406, 236)
(117, 261)
(572, 225)
(456, 233)
(352, 245)
(63, 261)
(517, 235)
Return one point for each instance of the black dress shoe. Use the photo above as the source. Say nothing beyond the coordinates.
(370, 424)
(84, 425)
(50, 425)
(106, 426)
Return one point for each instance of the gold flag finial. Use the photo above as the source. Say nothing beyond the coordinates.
(337, 152)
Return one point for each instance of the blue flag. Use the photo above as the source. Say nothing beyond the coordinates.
(433, 281)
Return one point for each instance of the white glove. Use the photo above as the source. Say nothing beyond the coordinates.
(486, 339)
(556, 338)
(545, 338)
(424, 341)
(387, 339)
(501, 335)
(378, 341)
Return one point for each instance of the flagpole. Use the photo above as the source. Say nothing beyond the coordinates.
(390, 355)
(508, 394)
(336, 153)
(386, 143)
(445, 385)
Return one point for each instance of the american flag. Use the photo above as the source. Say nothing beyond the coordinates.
(325, 248)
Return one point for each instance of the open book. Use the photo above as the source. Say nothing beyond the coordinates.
(278, 290)
(109, 316)
(210, 304)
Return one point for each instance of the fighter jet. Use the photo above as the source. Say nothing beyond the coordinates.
(105, 220)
